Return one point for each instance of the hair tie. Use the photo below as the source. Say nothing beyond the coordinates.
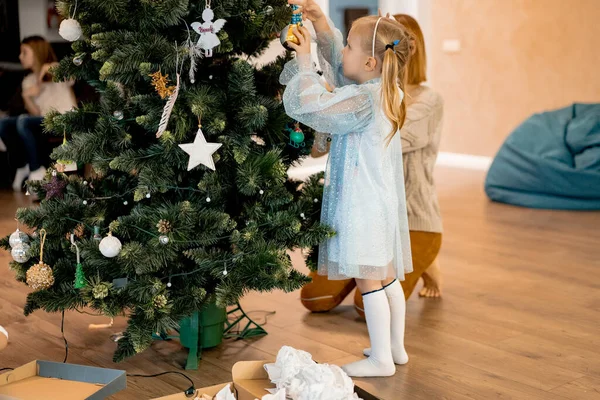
(392, 45)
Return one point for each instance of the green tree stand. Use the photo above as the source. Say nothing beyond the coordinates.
(207, 328)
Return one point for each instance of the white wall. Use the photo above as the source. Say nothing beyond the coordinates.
(32, 17)
(421, 11)
(409, 7)
(338, 7)
(324, 6)
(32, 20)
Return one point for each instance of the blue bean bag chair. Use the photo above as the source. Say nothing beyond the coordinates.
(551, 161)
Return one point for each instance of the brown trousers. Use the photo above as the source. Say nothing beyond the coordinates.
(322, 295)
(425, 247)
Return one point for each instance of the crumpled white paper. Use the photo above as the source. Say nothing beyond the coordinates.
(225, 394)
(303, 379)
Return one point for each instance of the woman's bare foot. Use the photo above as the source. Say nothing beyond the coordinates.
(432, 281)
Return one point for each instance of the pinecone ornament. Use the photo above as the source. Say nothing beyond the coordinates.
(79, 231)
(140, 347)
(186, 206)
(163, 226)
(100, 291)
(160, 301)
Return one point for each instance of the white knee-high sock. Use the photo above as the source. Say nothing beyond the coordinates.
(380, 362)
(395, 296)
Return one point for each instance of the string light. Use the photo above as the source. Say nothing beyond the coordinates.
(200, 269)
(148, 195)
(226, 260)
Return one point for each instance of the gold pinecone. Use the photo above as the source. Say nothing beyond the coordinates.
(186, 206)
(79, 231)
(163, 226)
(160, 301)
(100, 291)
(139, 347)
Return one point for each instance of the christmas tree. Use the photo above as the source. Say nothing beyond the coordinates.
(187, 197)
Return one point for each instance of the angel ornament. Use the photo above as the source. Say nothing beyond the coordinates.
(208, 30)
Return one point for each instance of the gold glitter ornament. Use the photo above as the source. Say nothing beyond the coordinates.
(160, 82)
(40, 276)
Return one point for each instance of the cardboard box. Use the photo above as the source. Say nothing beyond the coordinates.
(210, 390)
(251, 380)
(50, 380)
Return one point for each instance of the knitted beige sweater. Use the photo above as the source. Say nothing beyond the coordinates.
(420, 145)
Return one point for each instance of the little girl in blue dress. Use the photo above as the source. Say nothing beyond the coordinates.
(364, 198)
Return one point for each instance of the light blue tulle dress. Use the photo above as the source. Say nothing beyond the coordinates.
(364, 198)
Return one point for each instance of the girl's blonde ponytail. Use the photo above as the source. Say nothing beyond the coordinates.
(389, 44)
(393, 92)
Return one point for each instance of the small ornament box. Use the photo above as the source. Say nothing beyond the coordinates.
(51, 380)
(202, 393)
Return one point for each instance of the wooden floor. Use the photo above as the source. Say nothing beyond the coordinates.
(520, 317)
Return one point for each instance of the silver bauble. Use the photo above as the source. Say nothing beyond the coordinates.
(19, 253)
(17, 237)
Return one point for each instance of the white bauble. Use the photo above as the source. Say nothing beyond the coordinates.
(110, 246)
(19, 252)
(18, 237)
(70, 30)
(3, 338)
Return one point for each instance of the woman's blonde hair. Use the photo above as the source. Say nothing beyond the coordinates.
(391, 49)
(417, 65)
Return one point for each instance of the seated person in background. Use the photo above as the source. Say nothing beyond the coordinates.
(40, 95)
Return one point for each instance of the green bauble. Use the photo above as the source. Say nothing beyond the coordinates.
(297, 137)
